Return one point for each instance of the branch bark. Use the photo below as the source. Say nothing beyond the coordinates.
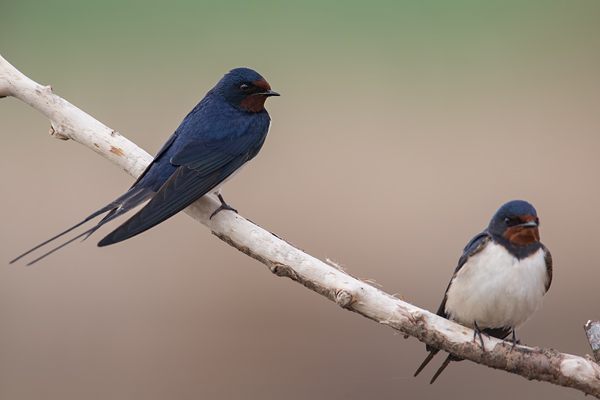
(283, 259)
(592, 330)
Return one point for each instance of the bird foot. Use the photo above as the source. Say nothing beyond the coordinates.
(478, 332)
(512, 340)
(223, 206)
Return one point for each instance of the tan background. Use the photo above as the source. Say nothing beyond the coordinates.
(401, 128)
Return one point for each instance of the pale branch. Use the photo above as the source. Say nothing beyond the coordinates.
(286, 260)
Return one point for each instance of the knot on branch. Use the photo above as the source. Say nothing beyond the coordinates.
(56, 134)
(280, 269)
(416, 317)
(343, 298)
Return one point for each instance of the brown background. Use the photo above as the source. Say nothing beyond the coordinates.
(400, 131)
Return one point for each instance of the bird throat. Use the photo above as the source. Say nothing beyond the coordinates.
(522, 236)
(254, 103)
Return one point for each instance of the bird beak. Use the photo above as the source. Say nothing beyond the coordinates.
(269, 93)
(530, 224)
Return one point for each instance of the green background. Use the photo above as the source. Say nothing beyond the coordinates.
(401, 129)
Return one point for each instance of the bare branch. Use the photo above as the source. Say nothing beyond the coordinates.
(286, 260)
(69, 122)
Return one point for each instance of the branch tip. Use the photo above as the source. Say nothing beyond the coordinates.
(592, 330)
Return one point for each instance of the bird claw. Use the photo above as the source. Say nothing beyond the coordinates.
(223, 206)
(478, 332)
(513, 340)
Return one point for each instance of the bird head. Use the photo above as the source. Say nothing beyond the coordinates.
(516, 222)
(245, 89)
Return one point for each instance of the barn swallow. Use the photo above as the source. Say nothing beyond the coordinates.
(213, 143)
(500, 279)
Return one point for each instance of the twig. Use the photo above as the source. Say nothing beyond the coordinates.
(286, 260)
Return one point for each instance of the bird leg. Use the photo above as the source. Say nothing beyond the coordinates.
(513, 340)
(223, 206)
(477, 332)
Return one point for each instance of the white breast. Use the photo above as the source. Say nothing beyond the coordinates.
(496, 290)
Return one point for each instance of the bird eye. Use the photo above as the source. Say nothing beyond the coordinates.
(244, 87)
(507, 220)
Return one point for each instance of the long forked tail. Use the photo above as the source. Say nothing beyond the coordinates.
(430, 356)
(88, 232)
(126, 202)
(443, 367)
(94, 215)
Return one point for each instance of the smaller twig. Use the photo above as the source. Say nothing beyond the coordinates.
(592, 330)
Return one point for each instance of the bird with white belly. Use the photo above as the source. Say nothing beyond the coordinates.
(500, 280)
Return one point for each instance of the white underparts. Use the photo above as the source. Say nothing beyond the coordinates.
(497, 290)
(217, 189)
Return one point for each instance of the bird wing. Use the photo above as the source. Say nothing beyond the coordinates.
(476, 244)
(203, 165)
(473, 247)
(548, 259)
(162, 150)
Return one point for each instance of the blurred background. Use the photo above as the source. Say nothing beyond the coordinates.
(402, 127)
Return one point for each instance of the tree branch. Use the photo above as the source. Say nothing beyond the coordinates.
(592, 330)
(283, 259)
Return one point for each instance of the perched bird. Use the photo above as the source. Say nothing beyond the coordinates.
(213, 142)
(500, 280)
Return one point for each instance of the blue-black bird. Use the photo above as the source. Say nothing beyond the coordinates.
(500, 280)
(213, 142)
